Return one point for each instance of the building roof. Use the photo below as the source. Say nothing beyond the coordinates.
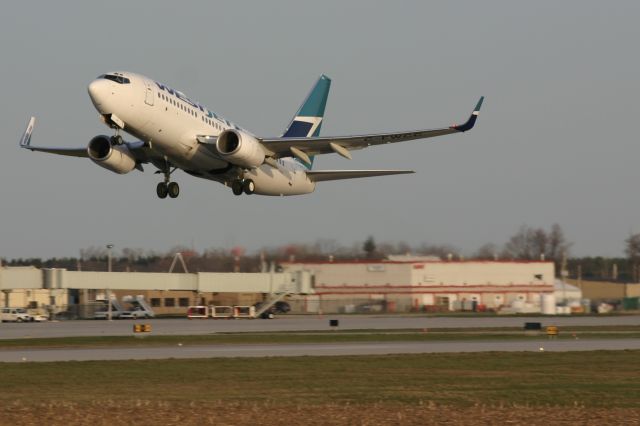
(387, 261)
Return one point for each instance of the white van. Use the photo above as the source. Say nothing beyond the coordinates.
(15, 315)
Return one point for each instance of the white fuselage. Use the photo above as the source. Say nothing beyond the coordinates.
(170, 123)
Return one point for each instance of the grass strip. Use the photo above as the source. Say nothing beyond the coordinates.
(606, 379)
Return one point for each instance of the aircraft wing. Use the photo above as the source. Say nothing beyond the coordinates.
(142, 153)
(287, 147)
(25, 142)
(325, 175)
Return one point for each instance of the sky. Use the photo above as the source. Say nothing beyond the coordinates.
(555, 142)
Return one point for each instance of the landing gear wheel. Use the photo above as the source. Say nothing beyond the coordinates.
(162, 190)
(174, 189)
(248, 187)
(236, 187)
(116, 140)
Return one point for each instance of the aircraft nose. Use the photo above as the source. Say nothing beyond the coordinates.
(98, 91)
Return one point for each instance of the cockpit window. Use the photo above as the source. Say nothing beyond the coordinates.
(117, 78)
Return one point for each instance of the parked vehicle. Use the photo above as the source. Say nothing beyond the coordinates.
(105, 314)
(135, 314)
(279, 307)
(139, 308)
(282, 307)
(15, 315)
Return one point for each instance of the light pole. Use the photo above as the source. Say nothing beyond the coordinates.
(109, 247)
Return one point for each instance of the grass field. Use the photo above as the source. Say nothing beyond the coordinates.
(601, 387)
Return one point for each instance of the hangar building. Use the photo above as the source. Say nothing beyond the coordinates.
(425, 284)
(408, 284)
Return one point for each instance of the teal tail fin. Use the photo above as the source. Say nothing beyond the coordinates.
(308, 120)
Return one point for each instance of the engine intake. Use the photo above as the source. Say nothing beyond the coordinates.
(117, 159)
(240, 148)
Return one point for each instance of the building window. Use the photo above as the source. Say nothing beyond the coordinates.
(183, 301)
(155, 302)
(169, 302)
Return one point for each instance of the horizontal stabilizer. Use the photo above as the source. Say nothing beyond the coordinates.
(325, 175)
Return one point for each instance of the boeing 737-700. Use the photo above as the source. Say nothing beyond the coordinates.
(174, 132)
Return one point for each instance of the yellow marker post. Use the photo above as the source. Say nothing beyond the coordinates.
(552, 332)
(142, 328)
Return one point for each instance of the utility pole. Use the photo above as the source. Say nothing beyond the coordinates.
(580, 276)
(109, 309)
(564, 274)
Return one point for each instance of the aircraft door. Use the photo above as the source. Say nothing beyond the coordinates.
(148, 95)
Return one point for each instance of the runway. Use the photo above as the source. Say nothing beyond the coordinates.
(313, 349)
(183, 326)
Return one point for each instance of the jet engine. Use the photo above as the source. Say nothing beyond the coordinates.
(240, 148)
(116, 158)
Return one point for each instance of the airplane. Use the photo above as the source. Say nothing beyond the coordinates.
(173, 132)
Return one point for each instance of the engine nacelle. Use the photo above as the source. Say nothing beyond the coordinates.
(240, 148)
(117, 159)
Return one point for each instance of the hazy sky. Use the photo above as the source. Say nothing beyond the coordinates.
(556, 140)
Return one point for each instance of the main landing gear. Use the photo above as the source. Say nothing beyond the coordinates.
(239, 186)
(172, 189)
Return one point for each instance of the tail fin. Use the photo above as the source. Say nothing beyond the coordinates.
(308, 120)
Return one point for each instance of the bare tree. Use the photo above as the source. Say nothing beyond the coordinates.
(488, 251)
(530, 244)
(558, 244)
(93, 253)
(539, 242)
(519, 245)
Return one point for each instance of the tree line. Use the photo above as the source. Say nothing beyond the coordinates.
(527, 243)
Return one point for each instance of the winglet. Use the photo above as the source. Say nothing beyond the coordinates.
(472, 118)
(25, 141)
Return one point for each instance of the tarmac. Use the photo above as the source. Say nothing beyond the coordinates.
(313, 349)
(184, 326)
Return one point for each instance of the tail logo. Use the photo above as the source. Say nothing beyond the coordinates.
(304, 127)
